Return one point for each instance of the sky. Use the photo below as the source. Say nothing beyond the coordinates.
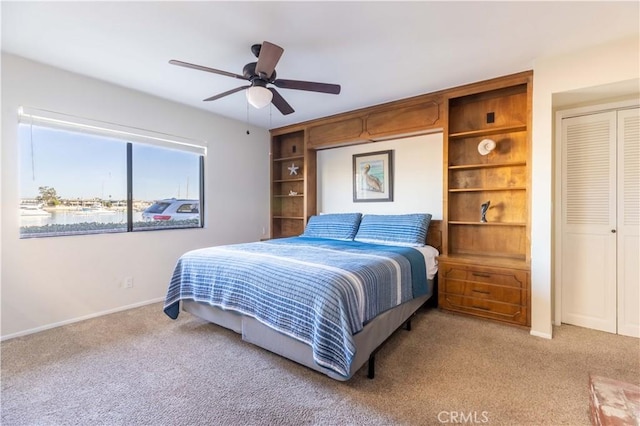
(79, 165)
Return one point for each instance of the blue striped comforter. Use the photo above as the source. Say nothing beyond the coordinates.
(318, 291)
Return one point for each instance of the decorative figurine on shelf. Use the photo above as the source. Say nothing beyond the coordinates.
(486, 146)
(292, 193)
(293, 169)
(483, 211)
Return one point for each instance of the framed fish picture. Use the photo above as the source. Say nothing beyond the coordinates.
(373, 176)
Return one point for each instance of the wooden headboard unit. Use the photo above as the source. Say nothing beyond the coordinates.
(434, 234)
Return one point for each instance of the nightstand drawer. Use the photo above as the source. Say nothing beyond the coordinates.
(483, 291)
(485, 308)
(497, 276)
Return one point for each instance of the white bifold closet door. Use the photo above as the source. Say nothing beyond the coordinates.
(600, 255)
(628, 234)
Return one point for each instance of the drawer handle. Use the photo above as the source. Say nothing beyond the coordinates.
(481, 307)
(481, 291)
(478, 274)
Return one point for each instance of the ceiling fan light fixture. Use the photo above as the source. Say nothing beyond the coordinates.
(258, 96)
(261, 73)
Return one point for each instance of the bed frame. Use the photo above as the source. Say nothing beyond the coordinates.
(368, 341)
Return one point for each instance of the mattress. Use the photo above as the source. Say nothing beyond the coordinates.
(318, 292)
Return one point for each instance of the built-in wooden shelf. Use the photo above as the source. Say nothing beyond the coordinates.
(487, 165)
(484, 268)
(488, 131)
(288, 180)
(289, 213)
(461, 222)
(292, 158)
(511, 188)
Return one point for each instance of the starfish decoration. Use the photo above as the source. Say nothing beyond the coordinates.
(293, 169)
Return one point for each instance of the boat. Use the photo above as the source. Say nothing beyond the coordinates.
(95, 208)
(33, 210)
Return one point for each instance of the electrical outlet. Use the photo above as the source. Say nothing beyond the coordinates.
(127, 282)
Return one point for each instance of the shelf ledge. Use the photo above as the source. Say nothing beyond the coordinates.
(487, 165)
(295, 157)
(288, 180)
(511, 188)
(485, 132)
(462, 222)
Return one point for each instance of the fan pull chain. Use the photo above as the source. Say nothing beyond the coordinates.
(248, 132)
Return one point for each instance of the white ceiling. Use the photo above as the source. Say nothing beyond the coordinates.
(377, 51)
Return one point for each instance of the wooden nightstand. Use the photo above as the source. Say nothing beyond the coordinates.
(499, 293)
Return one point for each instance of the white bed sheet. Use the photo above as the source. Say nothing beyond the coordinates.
(430, 257)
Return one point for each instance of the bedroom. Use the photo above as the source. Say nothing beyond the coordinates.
(60, 291)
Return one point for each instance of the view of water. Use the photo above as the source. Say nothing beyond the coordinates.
(72, 217)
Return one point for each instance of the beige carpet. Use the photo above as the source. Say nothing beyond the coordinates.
(140, 367)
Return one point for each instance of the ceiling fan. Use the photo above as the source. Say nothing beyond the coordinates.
(261, 73)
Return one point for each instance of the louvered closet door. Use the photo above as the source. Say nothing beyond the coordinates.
(589, 221)
(629, 222)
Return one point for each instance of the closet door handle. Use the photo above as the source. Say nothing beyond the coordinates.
(613, 231)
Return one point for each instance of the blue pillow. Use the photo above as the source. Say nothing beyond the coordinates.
(336, 226)
(398, 230)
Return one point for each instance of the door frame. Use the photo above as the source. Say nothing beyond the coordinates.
(556, 226)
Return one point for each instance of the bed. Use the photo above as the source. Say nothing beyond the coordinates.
(327, 299)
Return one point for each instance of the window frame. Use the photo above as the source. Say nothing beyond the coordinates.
(58, 121)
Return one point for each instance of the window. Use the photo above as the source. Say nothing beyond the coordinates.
(74, 181)
(168, 182)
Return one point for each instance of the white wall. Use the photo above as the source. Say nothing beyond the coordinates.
(52, 281)
(417, 177)
(601, 65)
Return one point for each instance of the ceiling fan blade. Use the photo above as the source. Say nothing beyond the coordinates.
(228, 92)
(269, 56)
(311, 86)
(280, 103)
(207, 69)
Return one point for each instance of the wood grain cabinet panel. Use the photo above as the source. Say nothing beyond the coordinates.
(335, 133)
(507, 312)
(484, 291)
(497, 276)
(392, 120)
(403, 120)
(508, 108)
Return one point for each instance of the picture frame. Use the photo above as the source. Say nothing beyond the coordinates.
(373, 177)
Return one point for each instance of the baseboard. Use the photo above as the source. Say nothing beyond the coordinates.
(539, 334)
(73, 320)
